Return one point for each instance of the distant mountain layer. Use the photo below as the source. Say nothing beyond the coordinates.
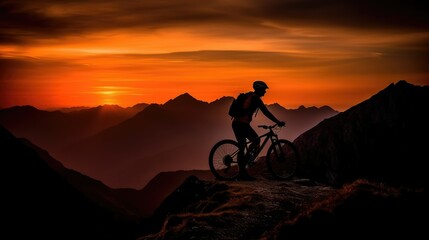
(53, 130)
(126, 147)
(384, 138)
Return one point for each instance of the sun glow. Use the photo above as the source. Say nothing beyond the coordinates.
(50, 57)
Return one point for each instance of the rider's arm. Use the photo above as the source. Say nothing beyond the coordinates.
(266, 112)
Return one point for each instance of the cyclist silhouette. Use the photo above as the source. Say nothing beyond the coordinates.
(241, 125)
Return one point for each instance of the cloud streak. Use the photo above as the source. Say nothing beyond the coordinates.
(22, 21)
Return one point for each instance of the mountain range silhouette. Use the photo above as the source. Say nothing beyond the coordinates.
(360, 169)
(117, 145)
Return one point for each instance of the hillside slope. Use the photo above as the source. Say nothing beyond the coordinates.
(384, 138)
(38, 202)
(295, 209)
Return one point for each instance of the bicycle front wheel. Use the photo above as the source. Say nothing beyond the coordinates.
(223, 159)
(282, 159)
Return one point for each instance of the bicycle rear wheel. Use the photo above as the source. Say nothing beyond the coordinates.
(223, 159)
(282, 159)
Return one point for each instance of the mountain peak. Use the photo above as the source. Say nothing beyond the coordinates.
(403, 83)
(108, 107)
(184, 100)
(395, 92)
(151, 109)
(185, 97)
(277, 106)
(24, 108)
(186, 94)
(327, 108)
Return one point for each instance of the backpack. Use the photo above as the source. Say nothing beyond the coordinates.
(239, 107)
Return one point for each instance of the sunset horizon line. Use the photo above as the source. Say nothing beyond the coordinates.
(59, 108)
(279, 101)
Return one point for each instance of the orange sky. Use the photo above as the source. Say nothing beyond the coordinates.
(311, 53)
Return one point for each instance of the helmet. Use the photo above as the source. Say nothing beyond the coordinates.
(259, 85)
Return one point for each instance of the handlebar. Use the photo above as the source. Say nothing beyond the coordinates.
(268, 127)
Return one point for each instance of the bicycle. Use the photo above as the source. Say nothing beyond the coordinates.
(281, 159)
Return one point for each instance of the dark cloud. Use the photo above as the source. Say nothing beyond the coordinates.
(367, 14)
(412, 57)
(25, 20)
(18, 24)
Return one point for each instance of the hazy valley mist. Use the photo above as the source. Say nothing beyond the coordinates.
(128, 147)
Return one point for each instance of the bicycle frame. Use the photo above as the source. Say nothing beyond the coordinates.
(270, 135)
(281, 160)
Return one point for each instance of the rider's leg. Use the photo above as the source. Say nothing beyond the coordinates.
(253, 137)
(243, 131)
(240, 134)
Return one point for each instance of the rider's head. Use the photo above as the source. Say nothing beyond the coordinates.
(260, 87)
